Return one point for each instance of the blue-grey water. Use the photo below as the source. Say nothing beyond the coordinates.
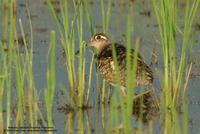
(145, 28)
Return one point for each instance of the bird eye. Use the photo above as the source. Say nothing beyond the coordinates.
(97, 37)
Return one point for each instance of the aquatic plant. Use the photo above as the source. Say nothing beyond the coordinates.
(174, 67)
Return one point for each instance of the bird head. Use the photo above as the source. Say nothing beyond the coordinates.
(99, 41)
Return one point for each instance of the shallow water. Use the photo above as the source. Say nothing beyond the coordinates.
(145, 28)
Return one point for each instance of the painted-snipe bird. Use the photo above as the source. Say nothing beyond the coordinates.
(106, 66)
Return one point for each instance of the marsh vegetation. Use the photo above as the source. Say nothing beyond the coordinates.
(44, 82)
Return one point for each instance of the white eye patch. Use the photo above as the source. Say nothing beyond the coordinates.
(103, 37)
(100, 37)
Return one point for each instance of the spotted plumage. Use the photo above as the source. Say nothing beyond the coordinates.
(106, 65)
